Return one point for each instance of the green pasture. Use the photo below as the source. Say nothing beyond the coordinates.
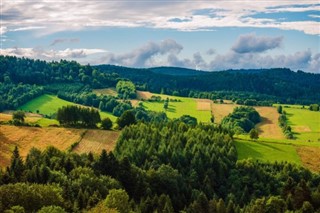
(305, 124)
(187, 106)
(49, 105)
(265, 151)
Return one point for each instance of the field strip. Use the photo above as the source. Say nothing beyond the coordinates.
(310, 157)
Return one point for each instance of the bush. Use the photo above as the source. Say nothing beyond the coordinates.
(106, 124)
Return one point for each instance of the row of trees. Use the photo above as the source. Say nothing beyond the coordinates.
(283, 123)
(241, 120)
(103, 102)
(78, 116)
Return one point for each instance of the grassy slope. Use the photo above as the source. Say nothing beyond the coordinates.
(49, 104)
(186, 106)
(305, 123)
(267, 151)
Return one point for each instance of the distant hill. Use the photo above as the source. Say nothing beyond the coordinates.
(177, 71)
(280, 84)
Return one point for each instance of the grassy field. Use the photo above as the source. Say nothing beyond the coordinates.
(62, 138)
(186, 106)
(267, 151)
(49, 104)
(305, 124)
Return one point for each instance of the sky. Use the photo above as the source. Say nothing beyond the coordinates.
(203, 35)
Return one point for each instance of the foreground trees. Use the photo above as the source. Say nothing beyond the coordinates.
(157, 167)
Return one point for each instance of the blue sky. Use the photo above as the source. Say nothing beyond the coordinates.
(207, 35)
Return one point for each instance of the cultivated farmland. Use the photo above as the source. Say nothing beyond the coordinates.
(62, 138)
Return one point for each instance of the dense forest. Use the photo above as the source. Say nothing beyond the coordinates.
(157, 167)
(275, 85)
(68, 79)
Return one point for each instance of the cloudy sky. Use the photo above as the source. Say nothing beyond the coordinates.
(208, 35)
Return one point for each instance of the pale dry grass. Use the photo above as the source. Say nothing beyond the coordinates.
(269, 127)
(221, 110)
(310, 157)
(144, 95)
(27, 137)
(96, 140)
(203, 104)
(30, 117)
(134, 102)
(301, 129)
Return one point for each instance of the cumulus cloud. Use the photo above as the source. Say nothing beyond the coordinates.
(144, 55)
(252, 43)
(40, 53)
(211, 51)
(301, 60)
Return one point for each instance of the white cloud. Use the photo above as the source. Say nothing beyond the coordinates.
(39, 53)
(58, 16)
(144, 55)
(166, 53)
(253, 43)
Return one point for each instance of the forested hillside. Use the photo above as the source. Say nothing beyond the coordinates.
(261, 87)
(278, 85)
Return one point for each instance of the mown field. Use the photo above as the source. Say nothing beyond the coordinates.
(266, 151)
(176, 109)
(49, 105)
(62, 138)
(305, 124)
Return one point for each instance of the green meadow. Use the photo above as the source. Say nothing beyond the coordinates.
(305, 124)
(265, 151)
(49, 104)
(187, 106)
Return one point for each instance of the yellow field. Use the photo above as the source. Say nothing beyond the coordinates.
(269, 127)
(310, 157)
(97, 140)
(62, 138)
(221, 110)
(203, 104)
(30, 117)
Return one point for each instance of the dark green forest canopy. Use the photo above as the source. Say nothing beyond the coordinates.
(278, 85)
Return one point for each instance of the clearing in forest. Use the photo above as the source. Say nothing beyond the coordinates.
(106, 91)
(269, 127)
(221, 110)
(266, 151)
(305, 124)
(96, 140)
